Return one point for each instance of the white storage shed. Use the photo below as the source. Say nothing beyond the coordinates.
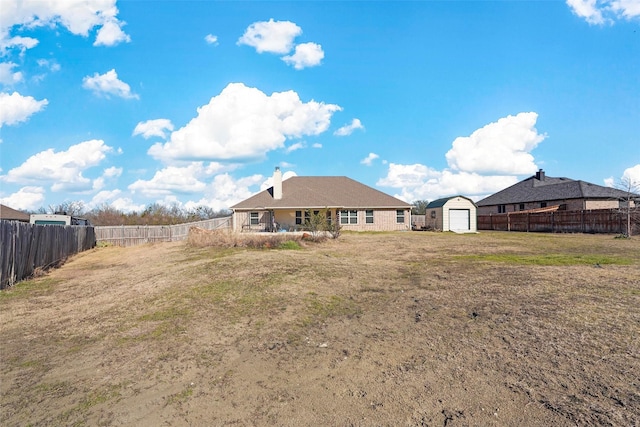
(456, 213)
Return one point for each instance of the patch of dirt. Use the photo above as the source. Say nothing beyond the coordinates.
(389, 329)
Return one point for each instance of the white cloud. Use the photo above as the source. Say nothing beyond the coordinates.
(16, 108)
(112, 172)
(305, 55)
(317, 145)
(21, 43)
(157, 127)
(407, 175)
(244, 123)
(599, 12)
(125, 204)
(211, 39)
(272, 36)
(77, 16)
(63, 169)
(632, 174)
(348, 129)
(173, 179)
(609, 182)
(27, 198)
(108, 84)
(488, 160)
(498, 148)
(419, 182)
(369, 159)
(7, 76)
(225, 191)
(98, 184)
(587, 9)
(103, 197)
(49, 64)
(294, 147)
(110, 197)
(627, 8)
(111, 34)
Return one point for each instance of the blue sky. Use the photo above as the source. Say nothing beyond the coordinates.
(136, 102)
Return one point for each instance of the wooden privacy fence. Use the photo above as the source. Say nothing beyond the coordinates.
(131, 235)
(27, 247)
(587, 221)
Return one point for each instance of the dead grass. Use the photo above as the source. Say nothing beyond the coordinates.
(200, 238)
(369, 329)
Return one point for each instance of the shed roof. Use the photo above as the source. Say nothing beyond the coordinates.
(441, 202)
(305, 192)
(534, 189)
(11, 214)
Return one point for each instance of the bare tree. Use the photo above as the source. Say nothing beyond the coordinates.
(419, 207)
(629, 203)
(73, 208)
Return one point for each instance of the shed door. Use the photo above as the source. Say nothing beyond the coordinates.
(459, 220)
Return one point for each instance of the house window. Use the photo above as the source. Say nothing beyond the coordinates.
(254, 218)
(400, 216)
(433, 214)
(521, 206)
(368, 217)
(348, 216)
(543, 204)
(502, 208)
(307, 217)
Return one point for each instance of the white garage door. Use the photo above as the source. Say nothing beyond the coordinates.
(459, 220)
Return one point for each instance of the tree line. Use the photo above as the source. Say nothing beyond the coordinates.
(153, 214)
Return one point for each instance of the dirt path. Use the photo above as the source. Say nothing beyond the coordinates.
(411, 329)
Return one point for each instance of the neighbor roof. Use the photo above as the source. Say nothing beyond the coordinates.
(305, 192)
(533, 189)
(10, 214)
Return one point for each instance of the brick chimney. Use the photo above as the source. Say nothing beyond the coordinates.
(277, 184)
(540, 175)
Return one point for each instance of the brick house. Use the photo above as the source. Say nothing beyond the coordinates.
(541, 191)
(287, 204)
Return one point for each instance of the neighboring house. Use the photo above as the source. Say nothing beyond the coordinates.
(541, 191)
(289, 203)
(9, 214)
(457, 213)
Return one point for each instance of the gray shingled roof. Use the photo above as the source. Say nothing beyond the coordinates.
(306, 192)
(10, 214)
(535, 190)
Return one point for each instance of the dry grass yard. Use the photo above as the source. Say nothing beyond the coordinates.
(385, 329)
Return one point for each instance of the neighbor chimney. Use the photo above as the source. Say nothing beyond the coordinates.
(277, 184)
(540, 175)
